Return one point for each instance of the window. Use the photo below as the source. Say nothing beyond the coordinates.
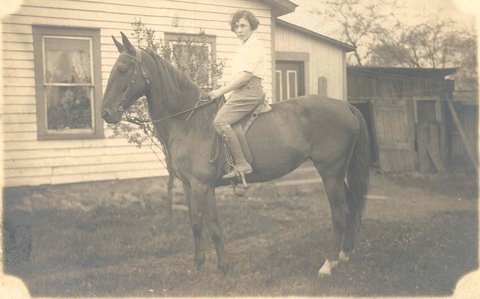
(67, 82)
(193, 55)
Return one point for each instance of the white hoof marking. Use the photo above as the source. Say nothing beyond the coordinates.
(327, 268)
(344, 256)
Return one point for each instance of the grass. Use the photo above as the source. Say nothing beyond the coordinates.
(119, 242)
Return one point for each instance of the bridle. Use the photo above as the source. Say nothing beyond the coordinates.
(125, 103)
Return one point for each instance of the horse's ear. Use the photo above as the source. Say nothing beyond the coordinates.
(120, 47)
(128, 46)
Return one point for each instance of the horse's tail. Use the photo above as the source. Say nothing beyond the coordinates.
(358, 175)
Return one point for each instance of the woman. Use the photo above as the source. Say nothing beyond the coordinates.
(248, 70)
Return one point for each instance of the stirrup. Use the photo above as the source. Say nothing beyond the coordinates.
(236, 173)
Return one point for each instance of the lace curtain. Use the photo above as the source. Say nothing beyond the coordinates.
(67, 64)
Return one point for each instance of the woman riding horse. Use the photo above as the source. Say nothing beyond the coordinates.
(331, 133)
(248, 70)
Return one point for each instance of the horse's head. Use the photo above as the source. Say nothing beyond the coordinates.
(127, 82)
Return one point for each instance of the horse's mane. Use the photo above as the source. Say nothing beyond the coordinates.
(180, 93)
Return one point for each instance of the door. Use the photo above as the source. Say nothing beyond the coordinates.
(428, 117)
(395, 152)
(290, 81)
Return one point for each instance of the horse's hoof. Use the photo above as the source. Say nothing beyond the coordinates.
(223, 269)
(344, 256)
(323, 273)
(327, 268)
(199, 262)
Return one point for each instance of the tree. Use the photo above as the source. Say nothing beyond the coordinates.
(382, 40)
(433, 44)
(362, 22)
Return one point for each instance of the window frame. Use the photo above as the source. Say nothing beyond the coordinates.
(39, 32)
(171, 37)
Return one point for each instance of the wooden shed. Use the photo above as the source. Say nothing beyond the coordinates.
(408, 114)
(39, 149)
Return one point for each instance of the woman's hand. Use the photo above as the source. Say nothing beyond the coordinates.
(216, 93)
(240, 80)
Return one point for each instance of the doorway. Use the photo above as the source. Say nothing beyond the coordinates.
(290, 80)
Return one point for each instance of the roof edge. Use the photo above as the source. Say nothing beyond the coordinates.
(371, 69)
(346, 47)
(280, 7)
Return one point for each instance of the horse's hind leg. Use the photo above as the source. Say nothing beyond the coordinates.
(350, 230)
(333, 181)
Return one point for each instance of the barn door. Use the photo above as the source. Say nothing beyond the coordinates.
(289, 78)
(392, 136)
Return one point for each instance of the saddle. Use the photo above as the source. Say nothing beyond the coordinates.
(241, 131)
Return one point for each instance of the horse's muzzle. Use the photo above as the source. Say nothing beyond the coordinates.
(107, 117)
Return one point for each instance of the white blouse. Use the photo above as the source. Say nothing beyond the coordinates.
(250, 57)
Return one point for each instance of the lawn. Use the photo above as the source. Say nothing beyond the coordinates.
(114, 239)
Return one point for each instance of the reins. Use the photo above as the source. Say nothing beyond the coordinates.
(197, 105)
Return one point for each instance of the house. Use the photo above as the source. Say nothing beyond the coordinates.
(411, 118)
(57, 56)
(317, 59)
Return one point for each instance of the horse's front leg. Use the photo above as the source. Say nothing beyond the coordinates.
(211, 218)
(196, 222)
(202, 207)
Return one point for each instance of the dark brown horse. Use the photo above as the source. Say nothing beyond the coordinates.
(329, 132)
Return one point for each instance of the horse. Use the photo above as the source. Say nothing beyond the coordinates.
(331, 133)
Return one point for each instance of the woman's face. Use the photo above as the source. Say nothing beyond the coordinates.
(243, 29)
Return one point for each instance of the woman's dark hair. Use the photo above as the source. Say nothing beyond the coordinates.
(248, 15)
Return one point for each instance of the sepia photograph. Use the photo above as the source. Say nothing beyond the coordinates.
(239, 148)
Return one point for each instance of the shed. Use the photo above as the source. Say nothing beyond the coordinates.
(38, 149)
(408, 114)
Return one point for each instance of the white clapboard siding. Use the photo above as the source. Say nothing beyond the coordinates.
(112, 175)
(18, 38)
(28, 127)
(18, 82)
(17, 64)
(85, 153)
(19, 118)
(73, 161)
(328, 62)
(16, 46)
(18, 73)
(19, 100)
(29, 161)
(15, 108)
